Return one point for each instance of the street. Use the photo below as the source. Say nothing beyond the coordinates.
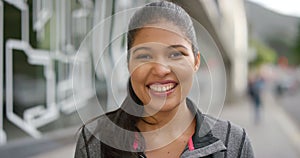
(291, 104)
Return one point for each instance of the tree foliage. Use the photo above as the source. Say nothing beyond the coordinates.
(296, 51)
(264, 54)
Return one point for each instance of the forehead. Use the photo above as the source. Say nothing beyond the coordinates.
(160, 35)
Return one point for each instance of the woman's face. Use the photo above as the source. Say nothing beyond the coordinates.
(161, 66)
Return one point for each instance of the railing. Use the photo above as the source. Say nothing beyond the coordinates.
(40, 115)
(2, 132)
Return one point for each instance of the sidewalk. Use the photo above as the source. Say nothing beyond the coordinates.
(275, 137)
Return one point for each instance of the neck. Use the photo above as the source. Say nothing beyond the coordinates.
(164, 127)
(161, 118)
(171, 122)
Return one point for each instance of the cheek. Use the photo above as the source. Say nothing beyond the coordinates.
(137, 73)
(138, 77)
(184, 69)
(184, 72)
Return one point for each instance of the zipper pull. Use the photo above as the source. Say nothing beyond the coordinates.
(191, 144)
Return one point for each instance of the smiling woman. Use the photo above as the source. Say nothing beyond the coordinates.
(157, 119)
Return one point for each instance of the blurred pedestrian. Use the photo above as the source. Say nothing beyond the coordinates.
(255, 87)
(157, 119)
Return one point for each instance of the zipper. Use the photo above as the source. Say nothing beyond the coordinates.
(142, 156)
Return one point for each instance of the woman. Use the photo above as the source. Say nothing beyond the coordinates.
(157, 119)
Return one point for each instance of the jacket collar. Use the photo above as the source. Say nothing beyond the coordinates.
(204, 141)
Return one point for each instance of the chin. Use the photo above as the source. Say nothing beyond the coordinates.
(168, 106)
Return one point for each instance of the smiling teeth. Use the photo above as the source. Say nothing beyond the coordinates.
(162, 88)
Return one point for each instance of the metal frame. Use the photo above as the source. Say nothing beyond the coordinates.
(66, 54)
(38, 115)
(42, 13)
(2, 132)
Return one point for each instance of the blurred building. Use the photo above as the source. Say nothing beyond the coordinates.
(227, 24)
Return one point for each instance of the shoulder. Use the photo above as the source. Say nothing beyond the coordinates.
(234, 137)
(102, 122)
(88, 139)
(87, 142)
(221, 128)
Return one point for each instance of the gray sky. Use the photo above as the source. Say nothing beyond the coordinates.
(288, 7)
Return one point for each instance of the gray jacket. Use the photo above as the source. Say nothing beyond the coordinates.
(213, 138)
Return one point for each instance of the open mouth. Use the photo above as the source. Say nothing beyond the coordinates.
(162, 88)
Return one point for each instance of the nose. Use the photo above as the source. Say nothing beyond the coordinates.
(160, 70)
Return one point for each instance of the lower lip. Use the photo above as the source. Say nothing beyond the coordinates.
(162, 94)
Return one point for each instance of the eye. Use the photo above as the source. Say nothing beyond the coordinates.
(175, 54)
(143, 56)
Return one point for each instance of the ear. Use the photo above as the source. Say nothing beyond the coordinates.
(197, 61)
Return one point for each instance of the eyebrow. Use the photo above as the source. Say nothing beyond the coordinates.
(139, 48)
(169, 47)
(177, 46)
